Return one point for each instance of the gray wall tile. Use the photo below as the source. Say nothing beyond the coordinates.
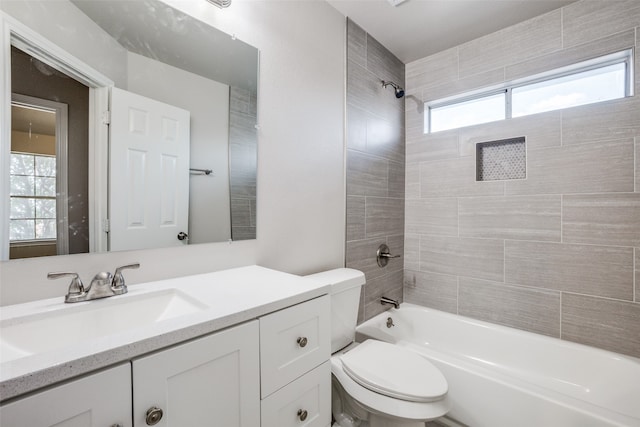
(454, 178)
(384, 139)
(361, 255)
(411, 252)
(478, 258)
(412, 181)
(617, 119)
(356, 128)
(384, 217)
(540, 35)
(241, 212)
(602, 219)
(366, 175)
(584, 168)
(436, 146)
(389, 286)
(515, 217)
(441, 67)
(540, 131)
(413, 118)
(356, 43)
(584, 21)
(637, 157)
(383, 63)
(605, 271)
(479, 80)
(437, 291)
(375, 167)
(396, 180)
(614, 43)
(582, 150)
(433, 216)
(396, 247)
(365, 91)
(637, 250)
(609, 324)
(355, 218)
(533, 310)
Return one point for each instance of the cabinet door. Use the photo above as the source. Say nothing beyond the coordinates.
(97, 400)
(211, 381)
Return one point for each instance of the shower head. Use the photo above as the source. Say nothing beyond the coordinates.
(399, 91)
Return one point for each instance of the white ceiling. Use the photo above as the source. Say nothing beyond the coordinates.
(419, 28)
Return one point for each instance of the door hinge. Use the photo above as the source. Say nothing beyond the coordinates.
(106, 117)
(106, 226)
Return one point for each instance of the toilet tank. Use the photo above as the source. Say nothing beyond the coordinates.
(345, 300)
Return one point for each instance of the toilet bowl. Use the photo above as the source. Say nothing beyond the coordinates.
(376, 384)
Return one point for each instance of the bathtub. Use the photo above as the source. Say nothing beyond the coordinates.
(499, 376)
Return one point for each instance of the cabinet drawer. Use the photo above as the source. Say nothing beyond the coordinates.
(293, 341)
(310, 393)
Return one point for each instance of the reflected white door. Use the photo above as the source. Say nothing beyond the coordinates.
(148, 172)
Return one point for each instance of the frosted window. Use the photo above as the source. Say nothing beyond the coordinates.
(596, 80)
(472, 112)
(601, 84)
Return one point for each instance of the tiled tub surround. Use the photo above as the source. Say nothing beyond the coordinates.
(230, 296)
(375, 167)
(557, 253)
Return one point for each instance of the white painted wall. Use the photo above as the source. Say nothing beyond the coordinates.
(301, 196)
(208, 102)
(81, 38)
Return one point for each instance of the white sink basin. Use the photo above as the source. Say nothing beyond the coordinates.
(78, 322)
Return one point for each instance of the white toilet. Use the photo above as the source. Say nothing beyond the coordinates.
(376, 384)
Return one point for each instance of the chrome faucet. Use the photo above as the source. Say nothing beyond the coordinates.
(394, 302)
(103, 285)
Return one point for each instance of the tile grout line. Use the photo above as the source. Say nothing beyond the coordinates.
(561, 314)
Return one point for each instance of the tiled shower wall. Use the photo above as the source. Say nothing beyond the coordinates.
(375, 167)
(558, 252)
(243, 158)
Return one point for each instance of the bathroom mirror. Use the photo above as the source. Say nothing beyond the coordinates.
(156, 52)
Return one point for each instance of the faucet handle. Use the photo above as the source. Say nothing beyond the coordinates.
(118, 285)
(76, 288)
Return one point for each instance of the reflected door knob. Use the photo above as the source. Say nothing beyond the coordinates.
(302, 414)
(154, 415)
(183, 236)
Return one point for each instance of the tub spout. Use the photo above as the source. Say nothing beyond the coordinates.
(394, 302)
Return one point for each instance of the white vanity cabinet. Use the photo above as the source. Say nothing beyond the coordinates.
(210, 381)
(272, 372)
(295, 347)
(102, 399)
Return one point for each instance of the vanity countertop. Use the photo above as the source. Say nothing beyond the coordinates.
(230, 296)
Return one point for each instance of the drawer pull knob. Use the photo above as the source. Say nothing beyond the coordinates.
(302, 414)
(154, 415)
(302, 341)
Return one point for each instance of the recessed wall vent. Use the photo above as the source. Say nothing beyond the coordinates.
(500, 160)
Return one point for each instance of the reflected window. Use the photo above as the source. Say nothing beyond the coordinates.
(32, 197)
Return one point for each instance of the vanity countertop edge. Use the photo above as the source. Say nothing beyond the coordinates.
(233, 297)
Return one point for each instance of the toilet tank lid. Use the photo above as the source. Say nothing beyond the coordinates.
(340, 279)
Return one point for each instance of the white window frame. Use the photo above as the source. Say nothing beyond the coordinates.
(621, 57)
(62, 206)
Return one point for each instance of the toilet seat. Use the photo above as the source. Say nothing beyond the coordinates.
(394, 371)
(377, 403)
